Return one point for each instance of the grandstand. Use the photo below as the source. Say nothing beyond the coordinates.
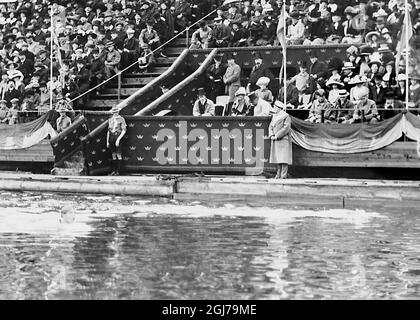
(327, 38)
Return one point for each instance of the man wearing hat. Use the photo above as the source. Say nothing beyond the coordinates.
(203, 106)
(268, 32)
(391, 106)
(232, 77)
(319, 105)
(345, 107)
(13, 113)
(97, 73)
(215, 74)
(317, 71)
(295, 30)
(258, 70)
(281, 140)
(112, 60)
(131, 47)
(26, 67)
(261, 107)
(117, 128)
(149, 36)
(82, 76)
(221, 33)
(400, 92)
(365, 109)
(347, 73)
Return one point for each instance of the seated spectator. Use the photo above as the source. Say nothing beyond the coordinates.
(238, 35)
(365, 109)
(414, 92)
(295, 30)
(4, 110)
(359, 85)
(334, 87)
(130, 52)
(263, 92)
(260, 106)
(400, 89)
(241, 105)
(377, 91)
(391, 107)
(149, 37)
(13, 113)
(146, 59)
(345, 107)
(203, 106)
(11, 93)
(221, 34)
(202, 37)
(319, 105)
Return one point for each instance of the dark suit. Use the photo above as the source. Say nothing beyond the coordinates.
(258, 72)
(130, 57)
(27, 68)
(216, 87)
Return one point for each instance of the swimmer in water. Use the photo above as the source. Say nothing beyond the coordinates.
(67, 215)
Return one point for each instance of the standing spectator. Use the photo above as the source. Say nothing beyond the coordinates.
(281, 140)
(317, 71)
(232, 77)
(258, 70)
(112, 60)
(215, 73)
(130, 52)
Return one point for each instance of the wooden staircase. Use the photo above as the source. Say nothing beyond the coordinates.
(132, 82)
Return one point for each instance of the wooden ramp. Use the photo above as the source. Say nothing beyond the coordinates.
(38, 158)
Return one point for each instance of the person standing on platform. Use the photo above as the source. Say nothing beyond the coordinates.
(215, 74)
(281, 140)
(232, 78)
(63, 121)
(117, 128)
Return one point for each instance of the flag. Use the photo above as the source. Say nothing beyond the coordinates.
(406, 35)
(281, 28)
(25, 135)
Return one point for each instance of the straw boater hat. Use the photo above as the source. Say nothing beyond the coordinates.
(347, 65)
(240, 91)
(357, 80)
(384, 48)
(342, 93)
(109, 44)
(401, 77)
(3, 102)
(263, 81)
(331, 82)
(14, 100)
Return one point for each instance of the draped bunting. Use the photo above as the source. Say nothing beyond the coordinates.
(25, 135)
(354, 138)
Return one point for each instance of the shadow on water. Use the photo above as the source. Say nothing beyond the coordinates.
(149, 249)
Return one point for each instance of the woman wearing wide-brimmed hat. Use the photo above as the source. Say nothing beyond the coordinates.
(359, 83)
(334, 87)
(414, 92)
(281, 140)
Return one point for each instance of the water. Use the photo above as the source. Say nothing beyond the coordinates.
(126, 248)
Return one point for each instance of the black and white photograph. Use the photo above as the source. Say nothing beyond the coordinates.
(229, 151)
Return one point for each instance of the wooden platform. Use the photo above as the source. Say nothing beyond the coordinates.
(39, 158)
(313, 193)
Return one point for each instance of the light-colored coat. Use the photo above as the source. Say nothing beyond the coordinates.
(232, 79)
(281, 148)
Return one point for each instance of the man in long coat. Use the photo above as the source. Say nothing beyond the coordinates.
(232, 77)
(281, 140)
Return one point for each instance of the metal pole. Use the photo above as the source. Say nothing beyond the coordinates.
(407, 52)
(51, 58)
(119, 87)
(188, 35)
(284, 53)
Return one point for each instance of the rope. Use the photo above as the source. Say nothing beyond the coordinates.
(150, 53)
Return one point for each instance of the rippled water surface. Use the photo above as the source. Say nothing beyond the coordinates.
(126, 248)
